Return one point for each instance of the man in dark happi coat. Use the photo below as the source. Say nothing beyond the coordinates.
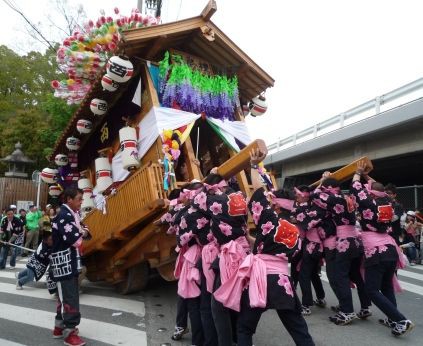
(348, 251)
(381, 253)
(65, 266)
(11, 231)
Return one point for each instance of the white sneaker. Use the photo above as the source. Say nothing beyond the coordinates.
(11, 268)
(18, 287)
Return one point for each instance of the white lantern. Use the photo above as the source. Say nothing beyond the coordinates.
(49, 175)
(103, 174)
(87, 203)
(73, 143)
(108, 83)
(98, 107)
(85, 185)
(119, 68)
(84, 126)
(245, 110)
(128, 146)
(54, 190)
(258, 106)
(61, 160)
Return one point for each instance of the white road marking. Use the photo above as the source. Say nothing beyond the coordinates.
(4, 342)
(101, 331)
(411, 275)
(115, 304)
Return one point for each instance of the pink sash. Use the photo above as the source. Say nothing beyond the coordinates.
(252, 272)
(347, 231)
(231, 256)
(313, 235)
(189, 275)
(373, 239)
(330, 242)
(208, 255)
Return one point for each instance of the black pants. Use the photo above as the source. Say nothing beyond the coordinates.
(225, 323)
(193, 305)
(181, 313)
(209, 330)
(378, 282)
(67, 311)
(309, 274)
(295, 275)
(346, 270)
(293, 321)
(330, 271)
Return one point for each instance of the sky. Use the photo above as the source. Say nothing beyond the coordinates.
(326, 56)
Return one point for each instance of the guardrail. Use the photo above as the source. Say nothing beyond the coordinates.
(349, 117)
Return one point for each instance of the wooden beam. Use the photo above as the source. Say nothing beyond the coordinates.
(156, 47)
(193, 170)
(209, 10)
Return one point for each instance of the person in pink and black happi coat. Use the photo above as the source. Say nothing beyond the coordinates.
(382, 256)
(306, 216)
(345, 267)
(227, 246)
(262, 280)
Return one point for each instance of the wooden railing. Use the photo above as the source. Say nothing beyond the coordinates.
(134, 201)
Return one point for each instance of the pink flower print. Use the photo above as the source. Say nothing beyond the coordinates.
(371, 228)
(185, 238)
(216, 208)
(183, 223)
(191, 210)
(202, 222)
(362, 195)
(201, 199)
(257, 208)
(313, 223)
(225, 229)
(368, 214)
(210, 237)
(369, 252)
(324, 196)
(310, 247)
(301, 217)
(357, 185)
(383, 248)
(320, 204)
(256, 218)
(342, 245)
(339, 208)
(260, 247)
(389, 229)
(285, 283)
(178, 207)
(171, 230)
(345, 221)
(267, 227)
(166, 218)
(322, 233)
(312, 213)
(68, 228)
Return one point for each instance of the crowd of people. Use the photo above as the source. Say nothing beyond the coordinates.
(228, 275)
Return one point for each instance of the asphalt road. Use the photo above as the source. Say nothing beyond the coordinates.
(148, 318)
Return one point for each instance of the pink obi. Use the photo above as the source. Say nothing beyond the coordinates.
(347, 231)
(252, 272)
(330, 242)
(313, 235)
(208, 255)
(188, 274)
(231, 256)
(373, 239)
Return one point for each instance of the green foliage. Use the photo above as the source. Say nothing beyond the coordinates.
(29, 112)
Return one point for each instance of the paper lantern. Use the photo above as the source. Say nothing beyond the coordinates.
(85, 185)
(258, 106)
(103, 174)
(61, 160)
(54, 190)
(87, 203)
(73, 143)
(119, 68)
(84, 126)
(98, 107)
(49, 175)
(245, 110)
(128, 146)
(108, 83)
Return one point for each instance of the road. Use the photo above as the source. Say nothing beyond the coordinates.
(147, 318)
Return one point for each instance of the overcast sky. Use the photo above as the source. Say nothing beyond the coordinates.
(326, 56)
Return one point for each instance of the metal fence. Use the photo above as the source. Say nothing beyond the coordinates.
(411, 197)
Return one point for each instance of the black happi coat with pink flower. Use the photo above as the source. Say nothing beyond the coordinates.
(275, 236)
(168, 218)
(376, 215)
(341, 210)
(227, 213)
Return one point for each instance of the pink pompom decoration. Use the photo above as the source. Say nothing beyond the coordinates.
(54, 84)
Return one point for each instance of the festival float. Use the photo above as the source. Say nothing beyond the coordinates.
(163, 95)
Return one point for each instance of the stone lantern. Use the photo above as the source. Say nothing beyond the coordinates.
(17, 162)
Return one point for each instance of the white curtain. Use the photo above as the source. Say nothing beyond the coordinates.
(156, 121)
(232, 130)
(118, 172)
